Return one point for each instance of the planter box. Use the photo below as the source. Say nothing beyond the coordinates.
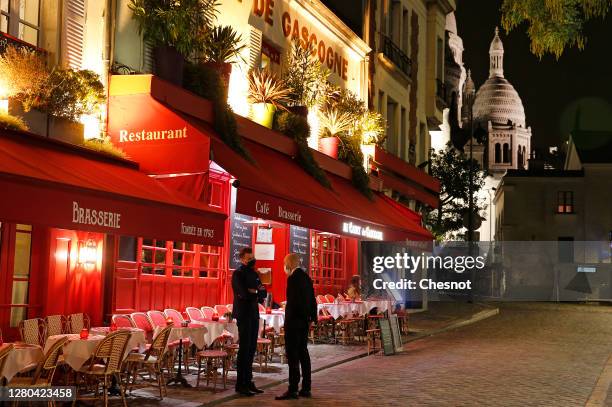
(35, 120)
(65, 130)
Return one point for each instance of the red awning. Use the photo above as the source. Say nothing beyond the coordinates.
(277, 188)
(60, 185)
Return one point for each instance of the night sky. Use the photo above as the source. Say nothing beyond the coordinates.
(550, 89)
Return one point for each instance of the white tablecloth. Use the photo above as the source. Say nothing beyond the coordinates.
(76, 351)
(196, 333)
(20, 357)
(137, 340)
(274, 320)
(215, 329)
(345, 309)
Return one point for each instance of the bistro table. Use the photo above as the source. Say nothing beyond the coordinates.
(137, 339)
(196, 333)
(215, 329)
(276, 320)
(344, 309)
(21, 357)
(76, 350)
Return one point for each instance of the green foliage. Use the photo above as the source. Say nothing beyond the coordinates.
(207, 83)
(8, 122)
(452, 169)
(373, 128)
(349, 151)
(553, 25)
(305, 75)
(266, 87)
(70, 94)
(104, 145)
(176, 23)
(298, 129)
(222, 45)
(24, 74)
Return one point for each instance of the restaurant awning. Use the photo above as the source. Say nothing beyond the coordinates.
(60, 185)
(277, 188)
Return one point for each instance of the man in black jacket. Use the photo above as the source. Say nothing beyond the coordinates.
(300, 312)
(246, 311)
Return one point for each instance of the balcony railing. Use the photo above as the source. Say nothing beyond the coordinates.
(8, 40)
(396, 55)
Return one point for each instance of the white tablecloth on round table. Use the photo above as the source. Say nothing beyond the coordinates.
(215, 329)
(76, 351)
(345, 309)
(137, 339)
(275, 320)
(20, 357)
(196, 333)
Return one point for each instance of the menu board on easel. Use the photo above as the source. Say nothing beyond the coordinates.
(395, 331)
(299, 242)
(386, 337)
(241, 233)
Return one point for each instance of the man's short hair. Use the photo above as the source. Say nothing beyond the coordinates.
(244, 251)
(292, 260)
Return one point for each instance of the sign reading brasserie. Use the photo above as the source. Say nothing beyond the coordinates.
(295, 28)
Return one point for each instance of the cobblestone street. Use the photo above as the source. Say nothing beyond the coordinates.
(528, 355)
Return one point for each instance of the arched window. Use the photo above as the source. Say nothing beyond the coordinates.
(524, 156)
(519, 157)
(497, 153)
(506, 153)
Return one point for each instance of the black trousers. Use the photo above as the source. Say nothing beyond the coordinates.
(248, 329)
(296, 347)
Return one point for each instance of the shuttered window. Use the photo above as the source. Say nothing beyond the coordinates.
(73, 33)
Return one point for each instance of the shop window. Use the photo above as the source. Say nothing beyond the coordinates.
(21, 274)
(128, 248)
(216, 189)
(153, 257)
(565, 202)
(209, 261)
(21, 19)
(327, 259)
(183, 255)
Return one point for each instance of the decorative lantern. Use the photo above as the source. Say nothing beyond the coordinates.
(268, 310)
(84, 333)
(169, 321)
(215, 317)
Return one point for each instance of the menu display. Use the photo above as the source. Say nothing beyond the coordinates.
(395, 330)
(299, 242)
(386, 337)
(241, 235)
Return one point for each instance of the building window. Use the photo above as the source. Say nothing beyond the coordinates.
(565, 202)
(270, 57)
(153, 256)
(506, 153)
(21, 19)
(186, 260)
(21, 274)
(327, 263)
(497, 153)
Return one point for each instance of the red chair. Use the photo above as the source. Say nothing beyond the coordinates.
(221, 309)
(330, 298)
(176, 316)
(123, 321)
(157, 318)
(142, 321)
(208, 312)
(194, 313)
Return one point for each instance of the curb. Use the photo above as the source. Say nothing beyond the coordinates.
(479, 316)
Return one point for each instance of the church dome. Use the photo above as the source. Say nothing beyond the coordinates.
(497, 100)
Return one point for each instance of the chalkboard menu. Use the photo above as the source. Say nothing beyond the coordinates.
(241, 235)
(386, 337)
(299, 242)
(397, 338)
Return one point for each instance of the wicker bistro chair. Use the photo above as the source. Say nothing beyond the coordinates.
(76, 322)
(123, 321)
(214, 358)
(106, 362)
(194, 313)
(264, 347)
(329, 298)
(33, 331)
(221, 309)
(142, 321)
(158, 320)
(176, 316)
(45, 370)
(56, 325)
(151, 362)
(208, 312)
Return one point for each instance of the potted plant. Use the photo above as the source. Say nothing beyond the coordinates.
(68, 96)
(174, 29)
(221, 47)
(267, 93)
(9, 122)
(306, 77)
(372, 128)
(334, 123)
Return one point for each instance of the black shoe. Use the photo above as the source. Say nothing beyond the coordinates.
(305, 393)
(245, 392)
(254, 388)
(287, 396)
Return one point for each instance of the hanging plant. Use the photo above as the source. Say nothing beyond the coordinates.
(296, 127)
(207, 83)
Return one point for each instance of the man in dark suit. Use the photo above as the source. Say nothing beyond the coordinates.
(246, 311)
(300, 312)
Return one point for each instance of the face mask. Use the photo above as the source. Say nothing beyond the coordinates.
(251, 263)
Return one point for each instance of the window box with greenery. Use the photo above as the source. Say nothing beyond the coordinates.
(220, 49)
(174, 29)
(267, 93)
